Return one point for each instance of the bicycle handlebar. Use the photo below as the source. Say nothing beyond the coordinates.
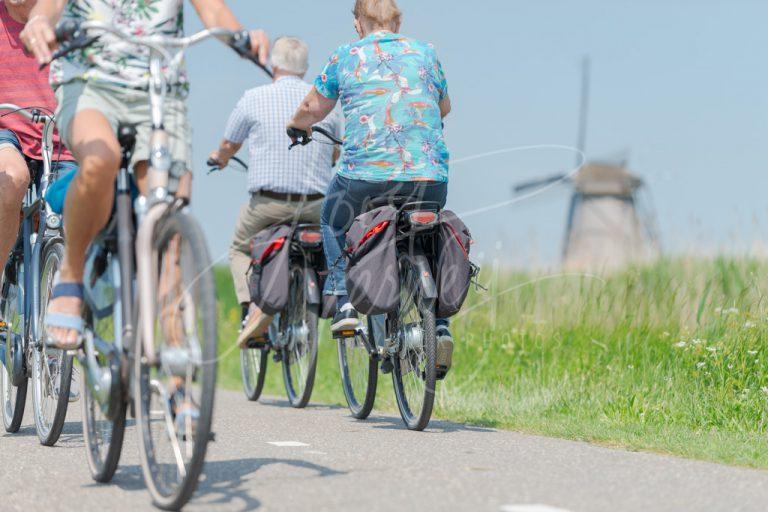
(75, 36)
(216, 166)
(302, 138)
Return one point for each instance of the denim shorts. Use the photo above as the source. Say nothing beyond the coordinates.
(8, 139)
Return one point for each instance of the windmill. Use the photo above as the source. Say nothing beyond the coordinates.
(608, 225)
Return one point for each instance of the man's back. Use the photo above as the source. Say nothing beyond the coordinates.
(261, 116)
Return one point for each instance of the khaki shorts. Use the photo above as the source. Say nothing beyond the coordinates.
(129, 106)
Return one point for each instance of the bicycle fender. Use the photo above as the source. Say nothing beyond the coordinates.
(313, 292)
(426, 280)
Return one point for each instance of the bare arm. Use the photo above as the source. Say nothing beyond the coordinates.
(38, 34)
(313, 109)
(445, 107)
(216, 13)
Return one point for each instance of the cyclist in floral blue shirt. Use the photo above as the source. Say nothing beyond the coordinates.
(390, 88)
(394, 96)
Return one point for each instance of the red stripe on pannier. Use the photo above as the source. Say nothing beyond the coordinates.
(272, 248)
(378, 228)
(458, 240)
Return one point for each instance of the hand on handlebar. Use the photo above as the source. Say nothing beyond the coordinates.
(260, 45)
(215, 160)
(39, 37)
(299, 137)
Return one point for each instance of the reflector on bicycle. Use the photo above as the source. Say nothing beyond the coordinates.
(422, 218)
(310, 237)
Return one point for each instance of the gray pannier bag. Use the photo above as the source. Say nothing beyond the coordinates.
(270, 280)
(454, 270)
(372, 277)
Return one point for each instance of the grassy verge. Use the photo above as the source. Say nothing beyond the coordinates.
(668, 358)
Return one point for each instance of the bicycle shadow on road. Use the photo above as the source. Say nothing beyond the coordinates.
(284, 404)
(225, 482)
(434, 427)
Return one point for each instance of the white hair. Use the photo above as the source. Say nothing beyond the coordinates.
(291, 55)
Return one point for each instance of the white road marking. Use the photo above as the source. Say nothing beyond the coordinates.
(531, 508)
(287, 444)
(315, 452)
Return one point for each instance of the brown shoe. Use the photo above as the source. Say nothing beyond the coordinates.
(256, 326)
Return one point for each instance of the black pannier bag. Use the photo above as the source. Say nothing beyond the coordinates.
(454, 270)
(270, 269)
(372, 277)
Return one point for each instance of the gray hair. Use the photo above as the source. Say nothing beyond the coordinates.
(291, 55)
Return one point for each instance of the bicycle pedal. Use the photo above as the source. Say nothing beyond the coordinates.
(343, 335)
(387, 366)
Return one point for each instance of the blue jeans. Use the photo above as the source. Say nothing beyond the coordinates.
(345, 200)
(59, 168)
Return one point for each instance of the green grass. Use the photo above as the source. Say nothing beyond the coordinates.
(667, 358)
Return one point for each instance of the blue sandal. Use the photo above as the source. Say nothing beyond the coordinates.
(63, 320)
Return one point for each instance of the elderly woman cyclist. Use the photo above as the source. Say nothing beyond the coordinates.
(394, 96)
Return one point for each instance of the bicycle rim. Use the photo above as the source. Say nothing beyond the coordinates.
(14, 397)
(173, 437)
(300, 355)
(414, 373)
(253, 368)
(359, 374)
(52, 372)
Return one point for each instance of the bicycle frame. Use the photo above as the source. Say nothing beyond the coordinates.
(31, 241)
(166, 54)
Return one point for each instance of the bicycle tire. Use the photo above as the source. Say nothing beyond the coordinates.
(403, 366)
(49, 426)
(179, 224)
(253, 370)
(14, 398)
(299, 397)
(353, 353)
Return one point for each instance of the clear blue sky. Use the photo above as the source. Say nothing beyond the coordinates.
(681, 86)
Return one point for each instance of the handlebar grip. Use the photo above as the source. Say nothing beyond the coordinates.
(297, 134)
(212, 163)
(66, 31)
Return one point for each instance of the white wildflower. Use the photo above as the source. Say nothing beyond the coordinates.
(701, 365)
(764, 389)
(749, 325)
(752, 352)
(731, 311)
(681, 344)
(698, 341)
(712, 349)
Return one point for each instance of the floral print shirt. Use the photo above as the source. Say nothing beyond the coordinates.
(110, 60)
(390, 88)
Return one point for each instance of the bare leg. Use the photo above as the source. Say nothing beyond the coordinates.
(88, 205)
(14, 180)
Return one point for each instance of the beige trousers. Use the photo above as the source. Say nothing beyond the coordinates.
(259, 214)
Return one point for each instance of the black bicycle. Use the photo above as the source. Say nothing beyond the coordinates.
(404, 341)
(293, 335)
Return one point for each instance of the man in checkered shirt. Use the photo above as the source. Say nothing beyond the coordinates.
(284, 186)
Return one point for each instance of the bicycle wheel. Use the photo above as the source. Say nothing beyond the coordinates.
(253, 368)
(414, 370)
(359, 372)
(14, 397)
(300, 353)
(104, 415)
(175, 394)
(52, 369)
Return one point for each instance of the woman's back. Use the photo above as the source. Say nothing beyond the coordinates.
(390, 88)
